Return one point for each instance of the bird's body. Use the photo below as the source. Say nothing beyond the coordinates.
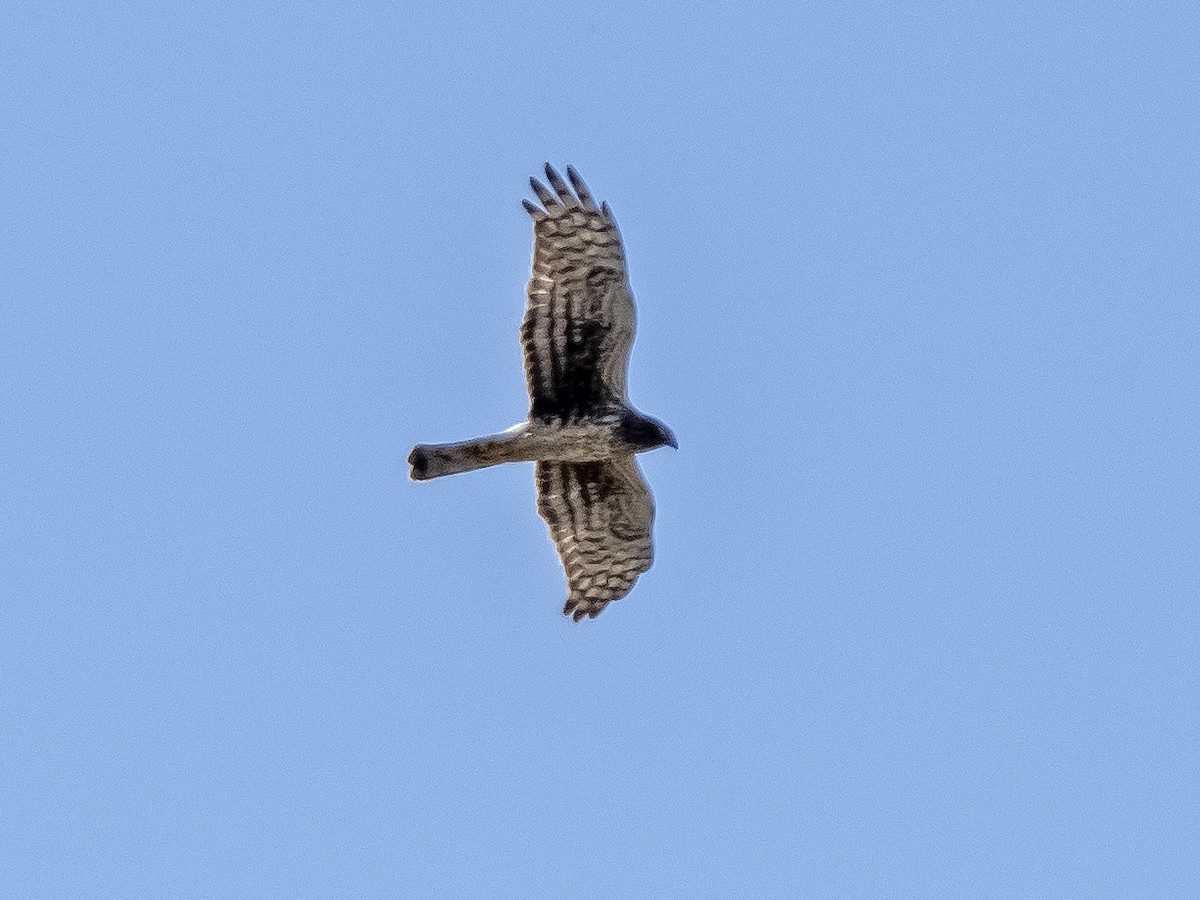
(581, 430)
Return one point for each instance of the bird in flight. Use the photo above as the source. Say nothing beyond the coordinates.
(581, 432)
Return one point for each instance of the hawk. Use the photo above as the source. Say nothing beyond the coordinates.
(580, 431)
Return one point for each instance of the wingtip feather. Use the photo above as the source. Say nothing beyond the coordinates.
(547, 199)
(578, 609)
(581, 190)
(560, 187)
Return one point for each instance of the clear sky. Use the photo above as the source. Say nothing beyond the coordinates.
(917, 291)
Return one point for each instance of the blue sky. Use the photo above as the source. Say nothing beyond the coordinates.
(917, 292)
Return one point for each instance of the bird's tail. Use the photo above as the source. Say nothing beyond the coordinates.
(435, 460)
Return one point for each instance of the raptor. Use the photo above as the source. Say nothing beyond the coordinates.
(581, 432)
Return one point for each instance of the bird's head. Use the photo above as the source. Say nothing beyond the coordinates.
(644, 433)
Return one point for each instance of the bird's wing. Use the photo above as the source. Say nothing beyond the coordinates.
(579, 318)
(599, 516)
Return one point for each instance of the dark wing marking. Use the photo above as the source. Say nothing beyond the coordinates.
(579, 318)
(599, 517)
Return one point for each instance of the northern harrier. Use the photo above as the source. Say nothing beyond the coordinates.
(581, 430)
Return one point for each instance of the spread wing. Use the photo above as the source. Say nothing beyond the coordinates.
(599, 516)
(579, 318)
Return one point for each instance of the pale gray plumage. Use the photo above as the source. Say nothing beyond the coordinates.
(581, 431)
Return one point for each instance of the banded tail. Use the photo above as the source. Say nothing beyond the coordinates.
(435, 460)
